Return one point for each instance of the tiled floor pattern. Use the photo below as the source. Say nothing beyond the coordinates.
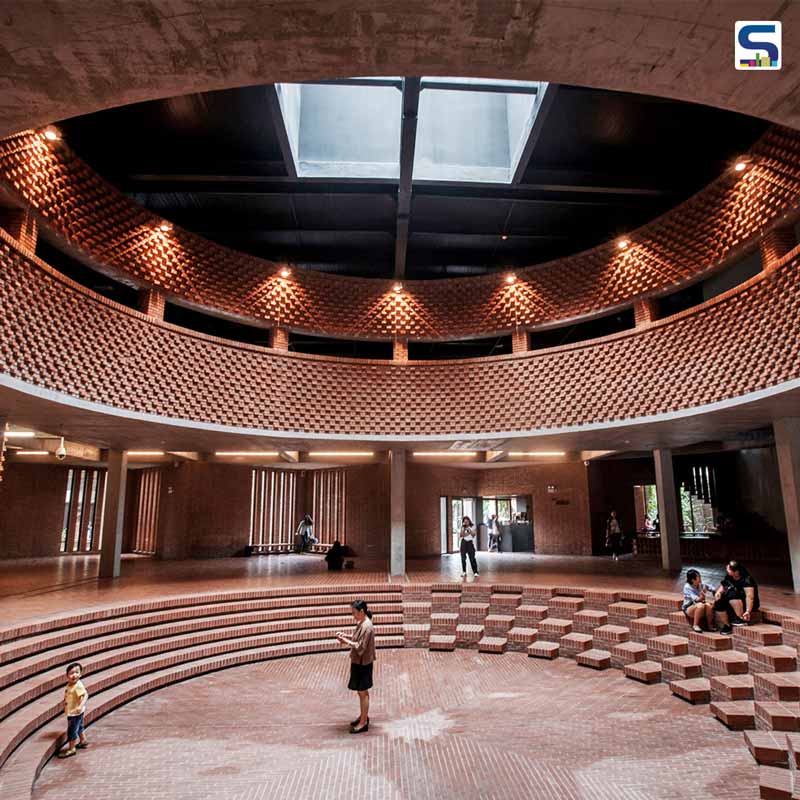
(446, 725)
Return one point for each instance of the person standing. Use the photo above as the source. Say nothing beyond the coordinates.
(362, 657)
(614, 535)
(493, 526)
(305, 530)
(467, 547)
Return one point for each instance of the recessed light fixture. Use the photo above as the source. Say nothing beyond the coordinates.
(33, 452)
(145, 452)
(20, 434)
(504, 236)
(537, 453)
(511, 278)
(286, 272)
(165, 227)
(254, 453)
(740, 166)
(51, 133)
(398, 287)
(342, 453)
(623, 243)
(443, 453)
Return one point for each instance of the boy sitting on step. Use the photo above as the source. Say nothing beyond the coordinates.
(75, 697)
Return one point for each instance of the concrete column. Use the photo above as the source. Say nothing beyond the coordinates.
(113, 514)
(397, 559)
(668, 510)
(787, 444)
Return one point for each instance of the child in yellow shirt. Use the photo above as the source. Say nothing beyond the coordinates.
(75, 697)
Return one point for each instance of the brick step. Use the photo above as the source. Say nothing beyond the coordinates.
(725, 662)
(492, 644)
(587, 620)
(627, 653)
(472, 612)
(600, 599)
(645, 628)
(705, 642)
(520, 638)
(468, 635)
(565, 607)
(644, 671)
(606, 636)
(773, 715)
(442, 641)
(693, 690)
(732, 687)
(774, 658)
(504, 603)
(416, 634)
(574, 643)
(594, 658)
(784, 686)
(680, 668)
(498, 624)
(552, 629)
(205, 615)
(775, 783)
(416, 612)
(768, 748)
(542, 649)
(667, 646)
(444, 622)
(762, 635)
(678, 624)
(624, 611)
(530, 613)
(445, 602)
(738, 715)
(662, 605)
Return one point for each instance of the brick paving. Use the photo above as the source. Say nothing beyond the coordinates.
(444, 725)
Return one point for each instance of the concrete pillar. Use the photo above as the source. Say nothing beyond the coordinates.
(775, 244)
(400, 349)
(520, 342)
(397, 559)
(113, 514)
(645, 312)
(668, 510)
(152, 303)
(787, 444)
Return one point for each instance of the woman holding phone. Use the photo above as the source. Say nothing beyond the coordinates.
(362, 656)
(467, 540)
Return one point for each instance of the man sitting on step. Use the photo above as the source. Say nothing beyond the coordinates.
(737, 597)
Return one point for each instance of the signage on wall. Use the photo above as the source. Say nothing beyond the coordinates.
(757, 44)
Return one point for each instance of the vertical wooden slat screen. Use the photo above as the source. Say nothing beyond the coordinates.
(147, 511)
(83, 510)
(272, 496)
(329, 505)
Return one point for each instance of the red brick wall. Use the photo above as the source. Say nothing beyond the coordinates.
(561, 519)
(367, 510)
(31, 510)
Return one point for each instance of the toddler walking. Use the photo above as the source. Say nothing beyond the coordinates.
(75, 697)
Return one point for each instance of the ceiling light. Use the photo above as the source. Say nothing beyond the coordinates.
(537, 453)
(286, 272)
(145, 452)
(511, 278)
(254, 453)
(398, 287)
(33, 453)
(740, 166)
(504, 236)
(51, 133)
(344, 453)
(20, 434)
(623, 244)
(444, 453)
(165, 227)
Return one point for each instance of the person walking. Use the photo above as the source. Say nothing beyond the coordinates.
(305, 533)
(614, 535)
(362, 657)
(467, 540)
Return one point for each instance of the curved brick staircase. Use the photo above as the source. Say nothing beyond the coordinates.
(750, 680)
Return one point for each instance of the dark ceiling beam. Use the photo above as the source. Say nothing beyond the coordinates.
(276, 114)
(541, 109)
(408, 143)
(396, 83)
(497, 88)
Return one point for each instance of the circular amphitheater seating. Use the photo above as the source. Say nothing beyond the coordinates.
(750, 680)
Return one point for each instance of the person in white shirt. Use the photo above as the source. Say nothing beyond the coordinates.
(467, 539)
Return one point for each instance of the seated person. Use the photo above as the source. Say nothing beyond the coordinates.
(737, 597)
(698, 602)
(335, 556)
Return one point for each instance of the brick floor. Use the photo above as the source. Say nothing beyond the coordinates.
(444, 725)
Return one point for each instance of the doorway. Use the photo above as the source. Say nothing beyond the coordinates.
(460, 507)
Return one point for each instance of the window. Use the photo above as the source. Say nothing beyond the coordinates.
(84, 502)
(328, 510)
(272, 506)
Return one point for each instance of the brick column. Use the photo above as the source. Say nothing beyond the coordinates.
(400, 349)
(645, 311)
(280, 339)
(397, 559)
(113, 514)
(2, 445)
(520, 341)
(152, 303)
(668, 510)
(787, 445)
(20, 224)
(775, 244)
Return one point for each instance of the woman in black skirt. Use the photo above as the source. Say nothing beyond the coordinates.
(362, 656)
